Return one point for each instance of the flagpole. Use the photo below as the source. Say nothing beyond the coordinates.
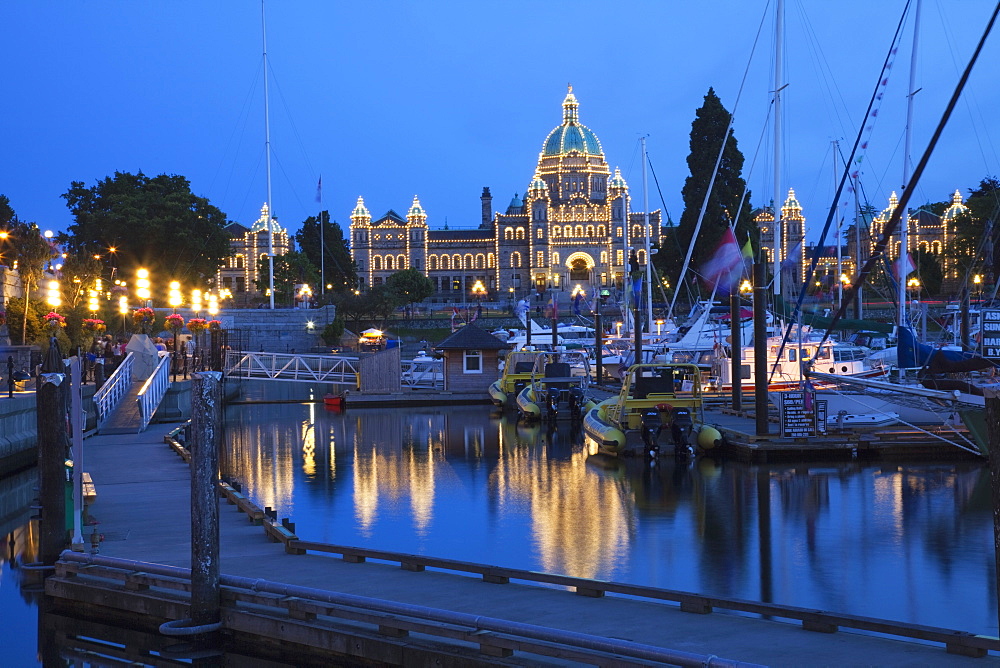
(267, 143)
(322, 243)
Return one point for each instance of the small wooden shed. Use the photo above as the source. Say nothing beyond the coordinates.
(471, 357)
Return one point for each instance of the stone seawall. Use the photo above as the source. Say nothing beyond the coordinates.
(19, 427)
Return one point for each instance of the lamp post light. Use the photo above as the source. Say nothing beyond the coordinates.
(196, 296)
(142, 284)
(479, 290)
(618, 329)
(659, 326)
(978, 281)
(53, 298)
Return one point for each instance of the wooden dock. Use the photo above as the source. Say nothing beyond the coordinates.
(742, 442)
(142, 505)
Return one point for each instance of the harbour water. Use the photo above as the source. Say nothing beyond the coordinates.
(907, 542)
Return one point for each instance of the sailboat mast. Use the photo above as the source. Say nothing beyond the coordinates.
(646, 234)
(904, 221)
(840, 270)
(778, 36)
(267, 151)
(859, 300)
(626, 273)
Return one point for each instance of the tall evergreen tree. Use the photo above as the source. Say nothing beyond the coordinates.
(336, 262)
(707, 131)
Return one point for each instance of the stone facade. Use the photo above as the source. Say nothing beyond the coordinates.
(568, 233)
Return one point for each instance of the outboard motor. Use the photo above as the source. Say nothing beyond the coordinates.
(552, 400)
(575, 403)
(681, 426)
(650, 428)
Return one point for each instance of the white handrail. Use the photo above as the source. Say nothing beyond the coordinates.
(114, 389)
(291, 367)
(152, 391)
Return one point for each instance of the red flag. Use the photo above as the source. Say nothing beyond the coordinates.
(724, 267)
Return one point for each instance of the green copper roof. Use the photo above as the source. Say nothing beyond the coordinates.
(571, 135)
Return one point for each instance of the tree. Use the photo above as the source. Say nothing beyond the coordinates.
(410, 285)
(156, 223)
(928, 270)
(7, 215)
(338, 268)
(30, 252)
(707, 132)
(290, 269)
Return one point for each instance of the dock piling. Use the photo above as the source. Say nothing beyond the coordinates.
(206, 422)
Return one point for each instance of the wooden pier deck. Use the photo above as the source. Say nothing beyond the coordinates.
(142, 505)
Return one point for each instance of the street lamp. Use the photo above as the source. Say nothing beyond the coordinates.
(745, 287)
(659, 326)
(978, 280)
(196, 301)
(142, 285)
(174, 296)
(53, 298)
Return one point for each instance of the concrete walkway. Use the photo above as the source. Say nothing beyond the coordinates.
(143, 503)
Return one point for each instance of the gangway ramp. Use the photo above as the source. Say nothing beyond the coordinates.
(293, 367)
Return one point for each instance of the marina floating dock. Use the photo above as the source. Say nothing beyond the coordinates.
(142, 504)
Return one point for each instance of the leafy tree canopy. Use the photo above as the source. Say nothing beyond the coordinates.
(290, 269)
(338, 268)
(410, 285)
(153, 222)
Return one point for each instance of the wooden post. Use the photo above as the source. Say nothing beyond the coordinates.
(736, 350)
(966, 338)
(760, 348)
(206, 428)
(50, 407)
(599, 343)
(992, 396)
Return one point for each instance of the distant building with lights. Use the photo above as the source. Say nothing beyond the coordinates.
(569, 229)
(239, 272)
(926, 231)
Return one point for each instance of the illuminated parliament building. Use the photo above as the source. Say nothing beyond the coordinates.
(568, 230)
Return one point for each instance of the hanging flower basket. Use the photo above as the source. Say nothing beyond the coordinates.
(94, 325)
(214, 325)
(143, 316)
(197, 325)
(175, 322)
(54, 320)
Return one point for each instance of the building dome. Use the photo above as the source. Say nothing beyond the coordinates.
(571, 135)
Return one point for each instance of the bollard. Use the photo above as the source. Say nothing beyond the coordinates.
(206, 427)
(52, 453)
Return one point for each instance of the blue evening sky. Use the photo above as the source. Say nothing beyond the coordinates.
(388, 99)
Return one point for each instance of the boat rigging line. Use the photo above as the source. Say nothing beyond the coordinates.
(876, 96)
(715, 170)
(894, 219)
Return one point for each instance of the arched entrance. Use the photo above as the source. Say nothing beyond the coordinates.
(580, 269)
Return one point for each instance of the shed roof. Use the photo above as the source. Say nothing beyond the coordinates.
(471, 337)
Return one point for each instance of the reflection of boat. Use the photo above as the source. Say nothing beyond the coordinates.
(554, 390)
(515, 375)
(653, 398)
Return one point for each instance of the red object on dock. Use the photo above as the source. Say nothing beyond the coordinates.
(333, 401)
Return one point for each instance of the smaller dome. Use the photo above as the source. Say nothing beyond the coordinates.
(957, 207)
(416, 209)
(537, 183)
(516, 204)
(791, 202)
(360, 209)
(617, 181)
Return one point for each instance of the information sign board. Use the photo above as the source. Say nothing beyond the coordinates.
(989, 333)
(801, 415)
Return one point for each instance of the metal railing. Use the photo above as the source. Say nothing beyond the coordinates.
(292, 367)
(152, 391)
(114, 390)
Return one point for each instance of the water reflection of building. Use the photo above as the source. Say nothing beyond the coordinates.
(397, 459)
(582, 522)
